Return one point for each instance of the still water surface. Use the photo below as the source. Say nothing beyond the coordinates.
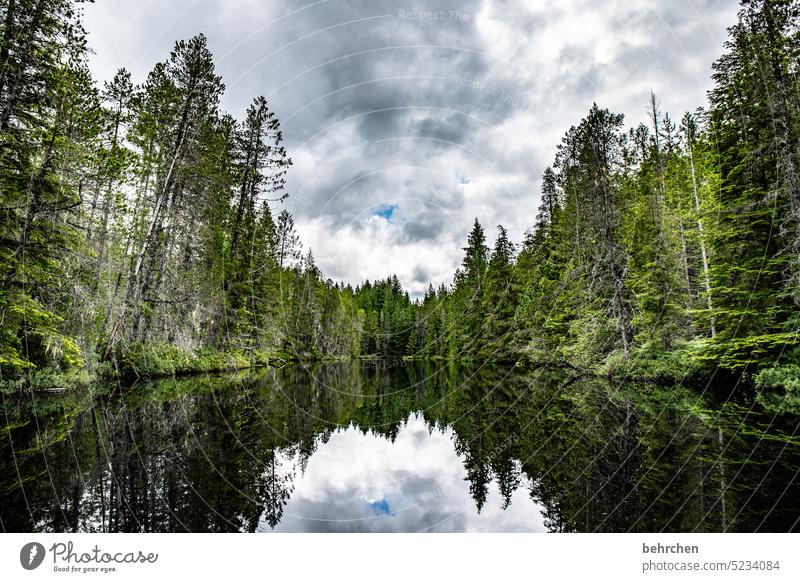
(386, 447)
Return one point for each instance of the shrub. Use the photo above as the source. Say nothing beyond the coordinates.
(780, 379)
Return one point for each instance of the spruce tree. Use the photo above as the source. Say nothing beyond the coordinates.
(754, 242)
(500, 300)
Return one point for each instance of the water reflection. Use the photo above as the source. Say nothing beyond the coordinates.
(357, 447)
(358, 482)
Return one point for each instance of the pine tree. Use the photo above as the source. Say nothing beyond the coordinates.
(114, 160)
(755, 239)
(655, 246)
(697, 180)
(304, 325)
(184, 93)
(500, 299)
(590, 159)
(538, 272)
(48, 123)
(262, 169)
(288, 242)
(466, 313)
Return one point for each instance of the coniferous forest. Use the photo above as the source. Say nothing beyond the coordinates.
(142, 230)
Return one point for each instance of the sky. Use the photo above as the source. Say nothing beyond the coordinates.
(407, 120)
(358, 482)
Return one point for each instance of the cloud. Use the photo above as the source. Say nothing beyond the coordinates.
(380, 107)
(357, 482)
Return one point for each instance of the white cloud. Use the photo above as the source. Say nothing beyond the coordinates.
(383, 110)
(365, 482)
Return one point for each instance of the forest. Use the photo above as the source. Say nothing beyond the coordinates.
(142, 230)
(635, 461)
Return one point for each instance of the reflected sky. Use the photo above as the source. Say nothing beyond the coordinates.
(423, 447)
(358, 482)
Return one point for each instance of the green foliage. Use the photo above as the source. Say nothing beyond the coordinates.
(785, 379)
(650, 363)
(499, 300)
(754, 240)
(139, 227)
(168, 360)
(673, 253)
(466, 308)
(778, 388)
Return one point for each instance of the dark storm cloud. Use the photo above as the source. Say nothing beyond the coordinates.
(449, 112)
(451, 130)
(428, 225)
(421, 274)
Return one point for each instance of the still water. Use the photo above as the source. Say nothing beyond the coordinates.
(397, 447)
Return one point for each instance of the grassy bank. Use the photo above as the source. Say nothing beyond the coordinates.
(147, 361)
(143, 361)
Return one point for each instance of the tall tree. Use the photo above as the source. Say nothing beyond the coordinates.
(590, 159)
(190, 89)
(754, 140)
(500, 299)
(657, 275)
(464, 326)
(48, 123)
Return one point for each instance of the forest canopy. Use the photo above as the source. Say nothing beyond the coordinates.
(142, 229)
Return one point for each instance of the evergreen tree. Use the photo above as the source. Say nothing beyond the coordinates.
(464, 326)
(48, 125)
(590, 159)
(655, 249)
(288, 242)
(500, 299)
(754, 243)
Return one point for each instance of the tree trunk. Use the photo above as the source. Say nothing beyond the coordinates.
(701, 231)
(4, 50)
(155, 220)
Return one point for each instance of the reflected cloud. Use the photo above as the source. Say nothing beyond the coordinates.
(357, 447)
(357, 482)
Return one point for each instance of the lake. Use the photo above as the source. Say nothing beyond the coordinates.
(397, 447)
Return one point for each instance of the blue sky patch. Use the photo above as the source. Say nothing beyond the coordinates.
(381, 507)
(386, 211)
